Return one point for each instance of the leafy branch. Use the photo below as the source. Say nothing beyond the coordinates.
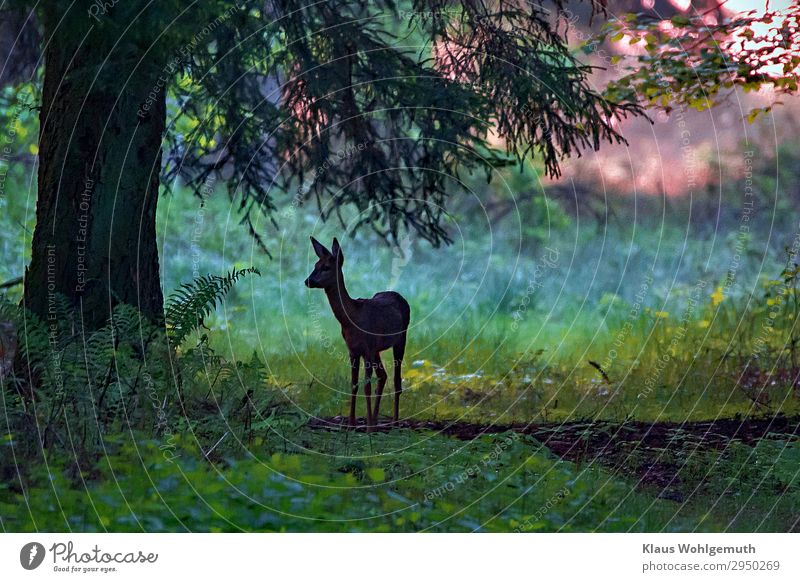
(686, 61)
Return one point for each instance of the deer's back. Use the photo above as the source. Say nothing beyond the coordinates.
(383, 319)
(394, 303)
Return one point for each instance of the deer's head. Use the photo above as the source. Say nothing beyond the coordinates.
(328, 269)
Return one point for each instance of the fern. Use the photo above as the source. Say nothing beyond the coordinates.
(92, 387)
(32, 335)
(192, 302)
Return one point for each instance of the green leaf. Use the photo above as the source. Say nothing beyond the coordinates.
(376, 474)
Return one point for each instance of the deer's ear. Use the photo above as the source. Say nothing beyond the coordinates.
(337, 251)
(319, 248)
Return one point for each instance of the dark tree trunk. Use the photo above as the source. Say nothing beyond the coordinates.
(99, 164)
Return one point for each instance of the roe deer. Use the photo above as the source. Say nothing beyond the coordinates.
(369, 326)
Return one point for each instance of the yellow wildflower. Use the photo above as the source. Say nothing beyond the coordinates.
(717, 296)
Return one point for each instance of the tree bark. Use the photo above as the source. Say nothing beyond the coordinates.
(99, 163)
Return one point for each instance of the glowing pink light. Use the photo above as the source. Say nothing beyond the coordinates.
(682, 5)
(766, 35)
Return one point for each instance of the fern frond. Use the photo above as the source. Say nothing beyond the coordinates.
(192, 302)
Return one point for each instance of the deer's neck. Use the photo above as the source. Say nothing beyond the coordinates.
(341, 303)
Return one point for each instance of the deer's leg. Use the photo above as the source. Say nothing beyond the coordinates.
(398, 351)
(355, 361)
(368, 365)
(380, 371)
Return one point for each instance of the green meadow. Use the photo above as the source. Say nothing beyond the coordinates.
(546, 316)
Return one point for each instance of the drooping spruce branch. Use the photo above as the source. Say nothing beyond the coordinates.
(371, 110)
(378, 107)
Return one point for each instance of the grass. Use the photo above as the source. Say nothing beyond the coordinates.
(402, 481)
(421, 482)
(506, 334)
(635, 319)
(755, 488)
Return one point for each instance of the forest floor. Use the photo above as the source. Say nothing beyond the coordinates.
(654, 450)
(579, 476)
